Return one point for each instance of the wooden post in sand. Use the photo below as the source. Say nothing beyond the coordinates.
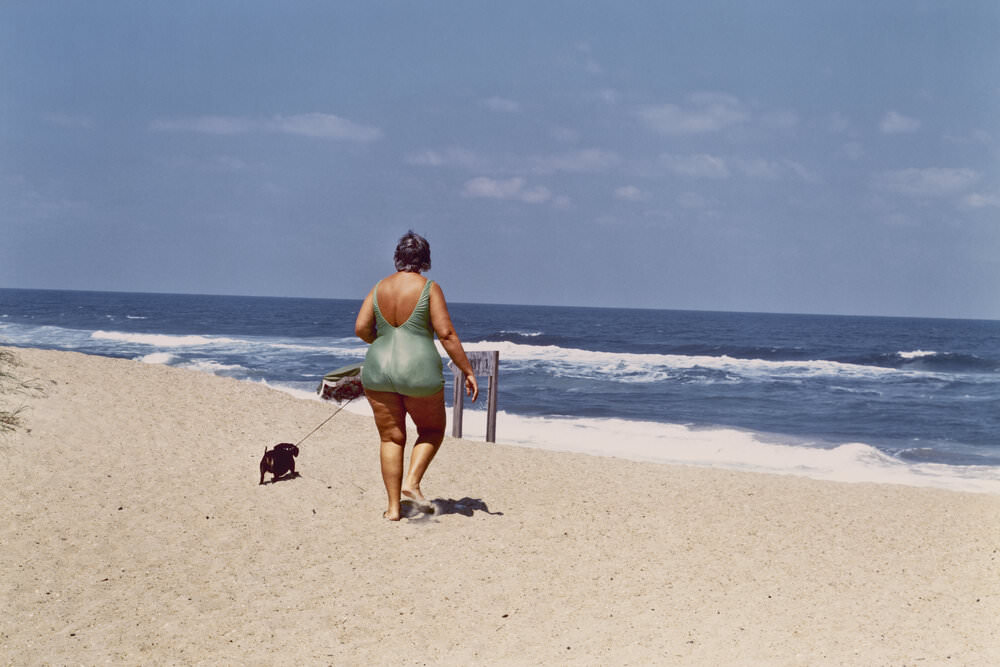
(483, 363)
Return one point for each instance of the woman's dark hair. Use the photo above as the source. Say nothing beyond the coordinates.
(413, 253)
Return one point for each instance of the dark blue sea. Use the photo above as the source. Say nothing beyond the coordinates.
(913, 401)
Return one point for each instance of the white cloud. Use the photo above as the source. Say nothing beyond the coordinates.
(578, 161)
(773, 170)
(509, 189)
(702, 165)
(561, 202)
(978, 200)
(320, 125)
(897, 123)
(931, 182)
(703, 112)
(535, 195)
(326, 126)
(501, 105)
(758, 168)
(696, 166)
(630, 193)
(585, 160)
(450, 157)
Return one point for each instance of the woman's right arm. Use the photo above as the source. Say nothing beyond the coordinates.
(364, 326)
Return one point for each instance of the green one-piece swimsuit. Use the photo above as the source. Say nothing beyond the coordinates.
(404, 359)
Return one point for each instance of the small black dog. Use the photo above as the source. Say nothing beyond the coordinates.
(278, 461)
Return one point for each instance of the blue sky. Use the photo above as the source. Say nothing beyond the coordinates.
(757, 156)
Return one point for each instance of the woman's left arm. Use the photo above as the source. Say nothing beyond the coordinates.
(441, 321)
(364, 326)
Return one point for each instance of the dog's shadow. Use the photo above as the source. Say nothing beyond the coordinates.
(284, 478)
(465, 506)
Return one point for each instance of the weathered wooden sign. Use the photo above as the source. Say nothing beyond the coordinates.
(483, 363)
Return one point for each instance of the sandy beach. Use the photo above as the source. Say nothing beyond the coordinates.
(138, 534)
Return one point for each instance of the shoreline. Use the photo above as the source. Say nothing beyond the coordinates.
(904, 414)
(715, 447)
(139, 534)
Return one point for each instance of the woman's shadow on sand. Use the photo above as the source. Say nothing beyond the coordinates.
(441, 506)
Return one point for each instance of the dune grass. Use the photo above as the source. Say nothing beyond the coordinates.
(11, 384)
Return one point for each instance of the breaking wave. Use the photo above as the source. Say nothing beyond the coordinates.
(633, 367)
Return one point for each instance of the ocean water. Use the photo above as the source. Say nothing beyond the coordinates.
(913, 401)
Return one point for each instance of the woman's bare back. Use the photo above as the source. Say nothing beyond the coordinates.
(398, 295)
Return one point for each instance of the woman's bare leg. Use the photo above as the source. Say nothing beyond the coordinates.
(390, 419)
(428, 415)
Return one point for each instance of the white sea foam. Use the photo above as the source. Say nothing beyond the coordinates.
(303, 394)
(85, 340)
(160, 340)
(358, 406)
(347, 346)
(135, 317)
(727, 448)
(632, 367)
(916, 354)
(214, 367)
(157, 358)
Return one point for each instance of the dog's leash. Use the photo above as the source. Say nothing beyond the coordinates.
(323, 423)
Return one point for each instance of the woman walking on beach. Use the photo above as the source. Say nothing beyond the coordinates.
(402, 370)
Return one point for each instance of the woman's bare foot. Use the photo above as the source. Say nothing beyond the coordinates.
(413, 493)
(390, 517)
